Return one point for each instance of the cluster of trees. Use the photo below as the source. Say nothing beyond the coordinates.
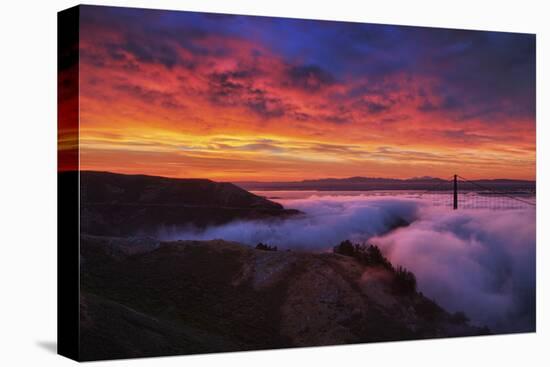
(265, 247)
(404, 281)
(366, 254)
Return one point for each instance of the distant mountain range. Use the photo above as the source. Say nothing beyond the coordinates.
(376, 183)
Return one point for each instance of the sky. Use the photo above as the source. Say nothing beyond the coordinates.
(241, 98)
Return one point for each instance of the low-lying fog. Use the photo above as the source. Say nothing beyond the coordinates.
(479, 261)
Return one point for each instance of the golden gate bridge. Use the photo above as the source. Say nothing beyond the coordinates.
(458, 192)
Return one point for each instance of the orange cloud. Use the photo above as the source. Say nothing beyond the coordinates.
(240, 112)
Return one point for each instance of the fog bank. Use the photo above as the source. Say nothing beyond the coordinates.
(481, 262)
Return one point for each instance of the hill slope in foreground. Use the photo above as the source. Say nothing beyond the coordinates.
(148, 298)
(125, 205)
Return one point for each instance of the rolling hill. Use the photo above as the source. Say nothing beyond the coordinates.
(126, 205)
(151, 298)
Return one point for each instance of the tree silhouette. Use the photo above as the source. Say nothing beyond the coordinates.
(370, 255)
(265, 247)
(404, 281)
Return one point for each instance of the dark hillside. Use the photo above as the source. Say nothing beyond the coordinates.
(149, 298)
(126, 205)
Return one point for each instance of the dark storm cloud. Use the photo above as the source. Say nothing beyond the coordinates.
(236, 88)
(311, 78)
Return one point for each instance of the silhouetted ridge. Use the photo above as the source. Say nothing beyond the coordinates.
(125, 205)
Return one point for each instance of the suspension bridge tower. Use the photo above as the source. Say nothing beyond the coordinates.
(455, 192)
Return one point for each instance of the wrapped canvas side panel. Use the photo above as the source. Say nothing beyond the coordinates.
(68, 185)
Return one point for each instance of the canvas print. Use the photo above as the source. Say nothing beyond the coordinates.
(234, 183)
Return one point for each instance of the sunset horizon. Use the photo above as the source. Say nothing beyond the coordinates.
(219, 97)
(420, 177)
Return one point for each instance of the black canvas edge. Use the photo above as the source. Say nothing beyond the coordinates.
(68, 193)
